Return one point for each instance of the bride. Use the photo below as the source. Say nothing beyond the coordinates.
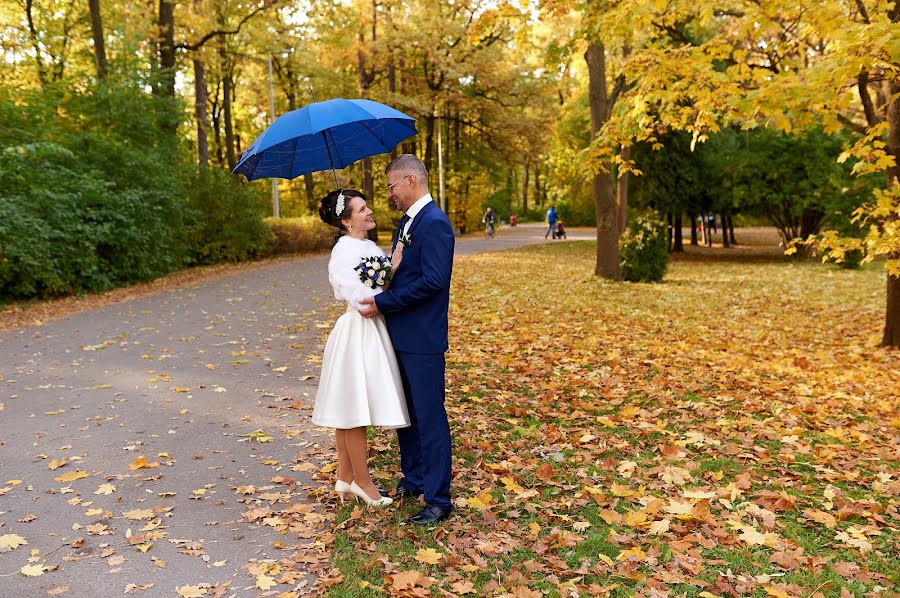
(360, 383)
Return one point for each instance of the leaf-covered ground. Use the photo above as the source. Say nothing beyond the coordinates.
(733, 431)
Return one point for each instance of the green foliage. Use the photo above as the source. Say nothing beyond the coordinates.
(674, 178)
(644, 251)
(96, 194)
(223, 220)
(87, 184)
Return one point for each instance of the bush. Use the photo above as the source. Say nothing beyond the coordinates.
(644, 251)
(299, 235)
(66, 230)
(223, 219)
(98, 191)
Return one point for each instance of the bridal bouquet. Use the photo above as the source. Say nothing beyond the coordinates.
(374, 271)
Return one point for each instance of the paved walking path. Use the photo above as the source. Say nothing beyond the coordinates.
(211, 386)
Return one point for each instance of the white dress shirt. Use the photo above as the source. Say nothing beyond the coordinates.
(415, 209)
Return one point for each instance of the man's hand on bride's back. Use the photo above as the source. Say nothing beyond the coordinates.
(372, 310)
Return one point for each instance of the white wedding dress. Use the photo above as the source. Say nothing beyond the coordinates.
(360, 382)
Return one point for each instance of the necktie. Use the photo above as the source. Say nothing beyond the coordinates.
(403, 222)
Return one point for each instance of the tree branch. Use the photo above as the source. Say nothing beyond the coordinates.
(853, 126)
(862, 11)
(618, 87)
(868, 107)
(223, 32)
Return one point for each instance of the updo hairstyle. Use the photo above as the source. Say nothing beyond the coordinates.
(328, 207)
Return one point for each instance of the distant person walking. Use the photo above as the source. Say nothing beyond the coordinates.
(552, 217)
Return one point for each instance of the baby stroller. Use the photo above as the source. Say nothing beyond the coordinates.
(560, 230)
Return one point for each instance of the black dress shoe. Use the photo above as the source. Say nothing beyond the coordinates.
(429, 514)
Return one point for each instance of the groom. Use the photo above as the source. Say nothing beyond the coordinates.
(415, 311)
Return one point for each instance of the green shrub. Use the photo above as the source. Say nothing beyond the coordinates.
(66, 230)
(97, 191)
(644, 251)
(306, 234)
(223, 219)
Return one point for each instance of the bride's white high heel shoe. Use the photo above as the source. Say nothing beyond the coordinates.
(358, 492)
(342, 489)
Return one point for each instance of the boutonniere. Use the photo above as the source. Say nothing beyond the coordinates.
(405, 239)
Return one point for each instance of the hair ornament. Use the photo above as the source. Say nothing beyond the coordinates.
(339, 206)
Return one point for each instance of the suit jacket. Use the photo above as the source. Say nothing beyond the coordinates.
(415, 306)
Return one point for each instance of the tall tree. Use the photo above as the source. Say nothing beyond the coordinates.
(607, 264)
(97, 34)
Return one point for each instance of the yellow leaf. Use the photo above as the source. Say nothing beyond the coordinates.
(141, 463)
(32, 570)
(482, 500)
(11, 541)
(57, 463)
(752, 537)
(144, 547)
(659, 527)
(138, 514)
(429, 556)
(93, 512)
(778, 593)
(635, 518)
(191, 592)
(511, 484)
(105, 489)
(621, 490)
(72, 476)
(264, 582)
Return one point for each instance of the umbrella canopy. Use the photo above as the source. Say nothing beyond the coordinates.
(331, 134)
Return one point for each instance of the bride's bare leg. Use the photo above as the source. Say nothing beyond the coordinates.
(358, 451)
(345, 467)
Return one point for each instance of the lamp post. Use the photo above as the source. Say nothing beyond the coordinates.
(276, 211)
(443, 200)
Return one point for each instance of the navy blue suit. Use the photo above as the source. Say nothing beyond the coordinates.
(415, 311)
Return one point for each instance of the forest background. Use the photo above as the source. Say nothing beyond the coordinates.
(120, 122)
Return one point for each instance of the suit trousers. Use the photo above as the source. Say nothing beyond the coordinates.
(425, 445)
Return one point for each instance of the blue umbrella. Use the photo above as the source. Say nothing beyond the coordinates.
(331, 134)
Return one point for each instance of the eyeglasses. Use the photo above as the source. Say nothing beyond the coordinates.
(392, 185)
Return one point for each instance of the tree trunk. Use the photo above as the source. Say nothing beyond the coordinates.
(525, 188)
(392, 88)
(166, 48)
(216, 117)
(671, 223)
(429, 140)
(724, 217)
(607, 264)
(369, 191)
(891, 336)
(200, 113)
(537, 187)
(730, 229)
(32, 30)
(693, 218)
(622, 213)
(226, 115)
(679, 237)
(99, 43)
(311, 200)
